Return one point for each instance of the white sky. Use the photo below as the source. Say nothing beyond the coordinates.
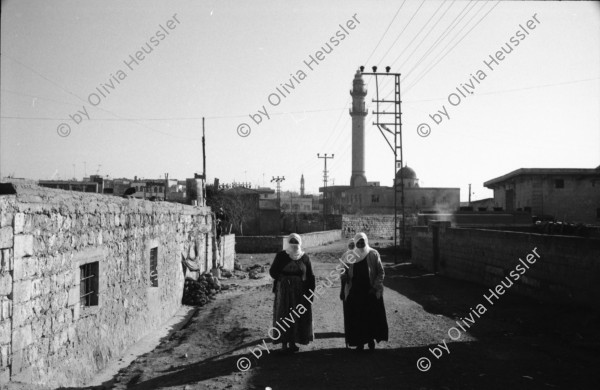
(538, 108)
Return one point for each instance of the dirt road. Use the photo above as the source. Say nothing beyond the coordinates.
(517, 344)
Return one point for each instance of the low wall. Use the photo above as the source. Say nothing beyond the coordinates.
(133, 251)
(227, 253)
(478, 219)
(320, 238)
(274, 244)
(568, 270)
(374, 226)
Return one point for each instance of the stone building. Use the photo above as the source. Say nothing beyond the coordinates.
(567, 194)
(84, 276)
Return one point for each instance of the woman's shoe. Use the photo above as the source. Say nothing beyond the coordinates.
(372, 345)
(294, 348)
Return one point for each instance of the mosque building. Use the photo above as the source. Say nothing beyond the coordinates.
(365, 197)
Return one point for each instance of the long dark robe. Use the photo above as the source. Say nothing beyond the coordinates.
(364, 313)
(292, 312)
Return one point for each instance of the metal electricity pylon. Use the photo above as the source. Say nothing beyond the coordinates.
(382, 124)
(278, 180)
(325, 157)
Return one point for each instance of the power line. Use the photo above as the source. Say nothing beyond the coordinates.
(121, 119)
(385, 32)
(419, 33)
(442, 52)
(441, 37)
(386, 82)
(449, 51)
(401, 32)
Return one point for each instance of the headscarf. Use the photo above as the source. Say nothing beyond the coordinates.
(350, 241)
(348, 256)
(361, 253)
(294, 250)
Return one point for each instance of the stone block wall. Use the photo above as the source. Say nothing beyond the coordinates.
(6, 288)
(568, 270)
(374, 225)
(54, 337)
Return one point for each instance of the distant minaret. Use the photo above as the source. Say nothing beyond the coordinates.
(358, 113)
(302, 185)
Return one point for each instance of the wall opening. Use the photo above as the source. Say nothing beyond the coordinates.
(88, 284)
(154, 267)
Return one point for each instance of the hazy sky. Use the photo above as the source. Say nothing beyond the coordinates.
(538, 107)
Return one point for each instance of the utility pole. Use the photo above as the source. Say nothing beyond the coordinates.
(203, 151)
(203, 166)
(166, 185)
(469, 194)
(325, 157)
(382, 124)
(278, 180)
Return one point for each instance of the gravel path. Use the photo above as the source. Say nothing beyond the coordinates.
(516, 344)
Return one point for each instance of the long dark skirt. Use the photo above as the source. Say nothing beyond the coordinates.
(292, 314)
(364, 318)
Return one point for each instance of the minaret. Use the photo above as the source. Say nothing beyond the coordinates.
(358, 113)
(302, 185)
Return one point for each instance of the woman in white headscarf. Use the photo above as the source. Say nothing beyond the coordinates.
(365, 319)
(294, 278)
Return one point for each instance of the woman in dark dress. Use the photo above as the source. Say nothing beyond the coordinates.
(292, 312)
(365, 319)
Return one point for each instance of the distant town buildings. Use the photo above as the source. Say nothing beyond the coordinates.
(171, 190)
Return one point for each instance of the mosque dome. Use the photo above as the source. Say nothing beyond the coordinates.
(406, 173)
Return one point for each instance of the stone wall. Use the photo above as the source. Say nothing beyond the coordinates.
(374, 225)
(56, 338)
(568, 270)
(6, 288)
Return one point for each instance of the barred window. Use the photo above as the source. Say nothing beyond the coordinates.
(88, 284)
(154, 267)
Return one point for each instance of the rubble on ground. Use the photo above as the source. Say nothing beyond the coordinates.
(199, 292)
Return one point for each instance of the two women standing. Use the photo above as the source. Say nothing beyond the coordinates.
(365, 320)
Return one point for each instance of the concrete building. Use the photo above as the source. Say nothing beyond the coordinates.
(375, 199)
(293, 203)
(567, 194)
